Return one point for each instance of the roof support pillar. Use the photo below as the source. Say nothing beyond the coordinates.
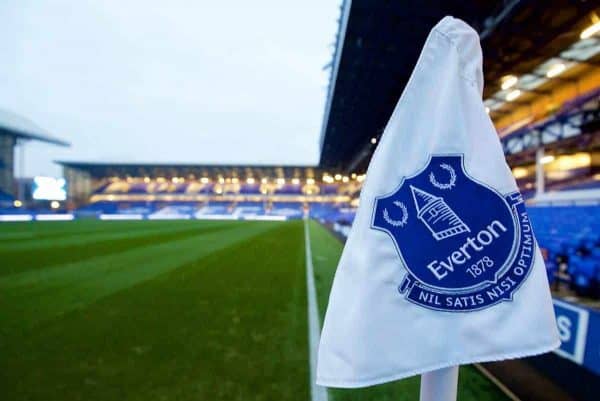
(540, 178)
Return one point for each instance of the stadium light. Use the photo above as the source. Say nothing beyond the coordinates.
(520, 172)
(373, 140)
(360, 178)
(508, 81)
(353, 176)
(264, 180)
(338, 177)
(547, 159)
(54, 204)
(204, 180)
(146, 179)
(295, 181)
(345, 179)
(328, 179)
(250, 180)
(573, 161)
(512, 95)
(310, 181)
(590, 30)
(235, 180)
(221, 180)
(555, 70)
(280, 181)
(17, 203)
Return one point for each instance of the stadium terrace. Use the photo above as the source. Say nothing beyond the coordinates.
(205, 192)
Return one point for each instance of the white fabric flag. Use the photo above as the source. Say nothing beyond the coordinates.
(441, 267)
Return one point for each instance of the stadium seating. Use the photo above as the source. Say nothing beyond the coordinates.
(250, 189)
(289, 189)
(138, 186)
(589, 183)
(108, 207)
(6, 202)
(571, 237)
(215, 208)
(287, 209)
(329, 189)
(101, 189)
(198, 188)
(579, 101)
(15, 210)
(97, 208)
(182, 210)
(339, 212)
(243, 209)
(325, 212)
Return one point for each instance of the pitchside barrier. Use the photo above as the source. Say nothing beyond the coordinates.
(579, 330)
(138, 216)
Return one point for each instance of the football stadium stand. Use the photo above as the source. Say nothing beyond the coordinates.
(15, 130)
(208, 192)
(542, 93)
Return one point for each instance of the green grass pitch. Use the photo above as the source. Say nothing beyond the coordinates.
(151, 310)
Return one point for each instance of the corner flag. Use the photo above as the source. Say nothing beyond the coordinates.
(441, 267)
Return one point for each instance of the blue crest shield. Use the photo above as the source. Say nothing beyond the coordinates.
(464, 245)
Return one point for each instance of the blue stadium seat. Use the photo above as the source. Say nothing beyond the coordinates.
(570, 234)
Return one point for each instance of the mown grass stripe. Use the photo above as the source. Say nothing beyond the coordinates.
(229, 325)
(99, 235)
(54, 252)
(31, 232)
(33, 296)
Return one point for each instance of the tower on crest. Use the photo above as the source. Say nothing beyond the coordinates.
(437, 216)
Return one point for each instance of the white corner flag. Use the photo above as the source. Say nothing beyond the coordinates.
(441, 267)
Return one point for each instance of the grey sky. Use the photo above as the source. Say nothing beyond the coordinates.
(177, 81)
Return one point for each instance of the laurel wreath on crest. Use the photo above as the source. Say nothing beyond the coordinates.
(396, 223)
(447, 185)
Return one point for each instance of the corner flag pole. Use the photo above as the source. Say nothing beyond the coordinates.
(439, 385)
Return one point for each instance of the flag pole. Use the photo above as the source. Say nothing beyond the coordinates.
(439, 385)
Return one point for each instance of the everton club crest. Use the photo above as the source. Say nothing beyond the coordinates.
(465, 246)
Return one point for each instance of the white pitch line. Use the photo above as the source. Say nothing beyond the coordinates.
(318, 393)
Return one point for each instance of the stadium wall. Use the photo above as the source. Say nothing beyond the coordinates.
(7, 144)
(79, 185)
